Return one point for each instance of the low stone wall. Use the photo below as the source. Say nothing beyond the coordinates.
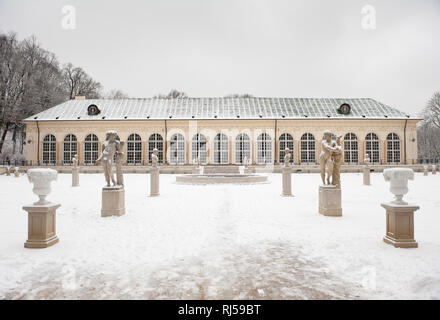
(172, 169)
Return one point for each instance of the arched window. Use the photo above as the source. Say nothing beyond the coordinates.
(393, 148)
(264, 148)
(134, 149)
(155, 141)
(372, 147)
(90, 149)
(286, 141)
(177, 149)
(69, 148)
(351, 152)
(242, 148)
(221, 149)
(199, 148)
(49, 149)
(307, 148)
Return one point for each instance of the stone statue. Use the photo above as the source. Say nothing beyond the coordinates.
(287, 157)
(336, 161)
(75, 161)
(367, 159)
(110, 147)
(245, 161)
(154, 158)
(330, 158)
(119, 158)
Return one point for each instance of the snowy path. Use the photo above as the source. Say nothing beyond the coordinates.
(219, 242)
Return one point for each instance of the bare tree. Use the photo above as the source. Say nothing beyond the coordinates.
(428, 131)
(432, 110)
(79, 83)
(237, 95)
(116, 94)
(173, 94)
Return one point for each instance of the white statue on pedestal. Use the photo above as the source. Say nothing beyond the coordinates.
(331, 158)
(110, 147)
(75, 161)
(287, 157)
(154, 158)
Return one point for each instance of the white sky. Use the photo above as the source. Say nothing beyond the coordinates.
(273, 48)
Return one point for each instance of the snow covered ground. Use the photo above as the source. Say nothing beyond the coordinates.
(219, 242)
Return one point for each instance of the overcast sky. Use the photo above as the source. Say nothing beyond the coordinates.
(271, 48)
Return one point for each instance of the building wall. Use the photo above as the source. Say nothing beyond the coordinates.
(231, 128)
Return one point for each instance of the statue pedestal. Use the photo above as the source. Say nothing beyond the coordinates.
(330, 200)
(154, 182)
(400, 225)
(425, 172)
(434, 171)
(113, 201)
(41, 225)
(287, 182)
(366, 173)
(75, 177)
(16, 174)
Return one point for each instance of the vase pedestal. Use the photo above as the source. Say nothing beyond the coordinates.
(400, 225)
(41, 225)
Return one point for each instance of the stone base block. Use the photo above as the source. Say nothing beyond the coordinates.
(113, 201)
(154, 182)
(75, 177)
(400, 225)
(330, 200)
(17, 174)
(41, 225)
(287, 182)
(366, 178)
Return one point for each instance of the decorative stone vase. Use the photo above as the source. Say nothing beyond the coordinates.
(42, 178)
(398, 178)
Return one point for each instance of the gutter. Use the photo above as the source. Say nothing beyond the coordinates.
(38, 143)
(165, 144)
(276, 151)
(404, 140)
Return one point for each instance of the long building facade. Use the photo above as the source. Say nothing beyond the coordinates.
(222, 131)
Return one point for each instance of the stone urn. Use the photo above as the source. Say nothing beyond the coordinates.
(398, 178)
(42, 178)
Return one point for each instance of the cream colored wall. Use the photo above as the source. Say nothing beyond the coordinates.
(229, 127)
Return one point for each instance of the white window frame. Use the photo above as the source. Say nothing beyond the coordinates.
(134, 149)
(286, 141)
(372, 147)
(242, 147)
(351, 148)
(70, 148)
(264, 148)
(199, 148)
(221, 149)
(177, 149)
(49, 149)
(308, 148)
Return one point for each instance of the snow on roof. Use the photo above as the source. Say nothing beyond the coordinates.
(218, 108)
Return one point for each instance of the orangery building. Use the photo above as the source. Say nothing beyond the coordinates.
(222, 131)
